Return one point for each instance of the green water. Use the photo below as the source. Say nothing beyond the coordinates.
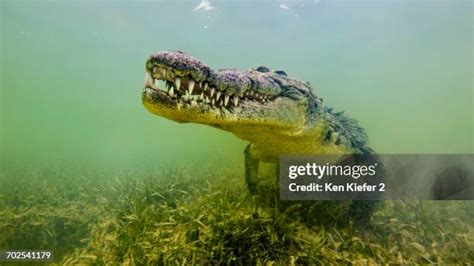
(70, 111)
(71, 73)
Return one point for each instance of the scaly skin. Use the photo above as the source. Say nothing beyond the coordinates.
(275, 113)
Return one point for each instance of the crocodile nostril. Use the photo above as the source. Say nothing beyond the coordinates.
(263, 69)
(281, 73)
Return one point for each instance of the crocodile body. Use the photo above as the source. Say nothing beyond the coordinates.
(275, 113)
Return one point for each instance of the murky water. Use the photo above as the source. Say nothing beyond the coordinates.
(72, 74)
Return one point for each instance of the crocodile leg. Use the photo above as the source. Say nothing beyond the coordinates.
(251, 170)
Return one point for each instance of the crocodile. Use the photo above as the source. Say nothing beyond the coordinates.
(275, 113)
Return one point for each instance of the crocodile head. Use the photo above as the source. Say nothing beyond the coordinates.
(181, 88)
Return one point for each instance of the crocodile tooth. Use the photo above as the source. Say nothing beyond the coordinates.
(148, 81)
(236, 100)
(200, 84)
(190, 86)
(218, 95)
(212, 91)
(193, 103)
(212, 101)
(226, 99)
(171, 91)
(163, 72)
(205, 87)
(202, 95)
(177, 81)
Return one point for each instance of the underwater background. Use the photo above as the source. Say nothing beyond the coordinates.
(72, 72)
(72, 126)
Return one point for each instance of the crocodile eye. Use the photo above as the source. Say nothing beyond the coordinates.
(281, 73)
(263, 69)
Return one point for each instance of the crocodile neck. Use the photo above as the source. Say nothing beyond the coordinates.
(320, 137)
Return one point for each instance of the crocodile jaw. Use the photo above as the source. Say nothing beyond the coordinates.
(243, 120)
